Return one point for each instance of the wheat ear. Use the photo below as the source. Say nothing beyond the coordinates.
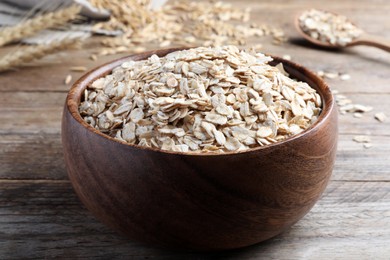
(39, 23)
(31, 53)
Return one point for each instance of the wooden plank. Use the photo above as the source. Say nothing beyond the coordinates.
(35, 121)
(356, 163)
(39, 156)
(44, 219)
(22, 101)
(33, 156)
(36, 112)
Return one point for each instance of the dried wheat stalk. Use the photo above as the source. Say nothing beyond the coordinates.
(32, 53)
(39, 23)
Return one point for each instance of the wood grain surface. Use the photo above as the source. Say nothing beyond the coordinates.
(41, 217)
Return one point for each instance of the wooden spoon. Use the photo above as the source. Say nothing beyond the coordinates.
(363, 39)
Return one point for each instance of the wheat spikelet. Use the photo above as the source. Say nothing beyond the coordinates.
(39, 23)
(32, 53)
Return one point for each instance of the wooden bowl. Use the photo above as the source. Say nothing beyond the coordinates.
(199, 201)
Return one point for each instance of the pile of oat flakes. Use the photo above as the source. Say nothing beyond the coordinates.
(328, 27)
(200, 100)
(180, 23)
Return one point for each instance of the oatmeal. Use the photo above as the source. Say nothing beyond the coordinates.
(200, 100)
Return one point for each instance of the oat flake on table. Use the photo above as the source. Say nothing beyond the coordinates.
(200, 100)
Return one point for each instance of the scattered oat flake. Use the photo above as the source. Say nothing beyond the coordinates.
(340, 96)
(68, 79)
(138, 49)
(321, 73)
(367, 145)
(346, 106)
(331, 75)
(362, 139)
(381, 117)
(345, 77)
(257, 47)
(165, 44)
(358, 115)
(78, 69)
(362, 108)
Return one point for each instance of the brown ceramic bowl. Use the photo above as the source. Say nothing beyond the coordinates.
(199, 201)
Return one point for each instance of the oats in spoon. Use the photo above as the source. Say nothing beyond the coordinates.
(328, 27)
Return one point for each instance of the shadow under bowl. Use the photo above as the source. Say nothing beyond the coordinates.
(199, 201)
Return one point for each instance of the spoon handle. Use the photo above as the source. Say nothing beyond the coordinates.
(373, 40)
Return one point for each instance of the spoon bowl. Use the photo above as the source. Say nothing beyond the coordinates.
(363, 39)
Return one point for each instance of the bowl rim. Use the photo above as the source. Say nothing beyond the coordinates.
(76, 91)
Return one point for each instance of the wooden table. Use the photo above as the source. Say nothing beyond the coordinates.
(41, 217)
